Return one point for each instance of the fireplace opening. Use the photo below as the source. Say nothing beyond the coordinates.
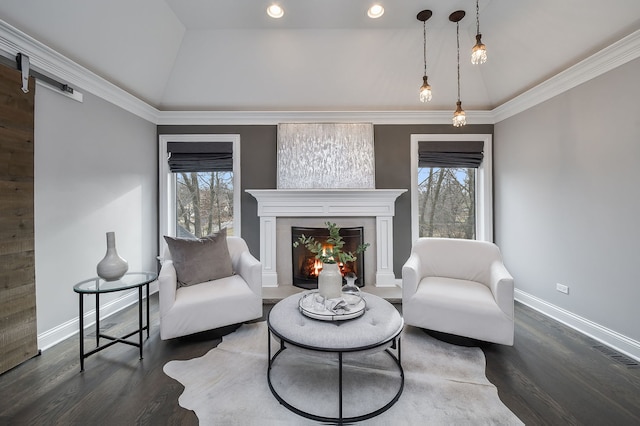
(305, 266)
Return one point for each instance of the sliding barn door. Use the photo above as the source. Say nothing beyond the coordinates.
(18, 334)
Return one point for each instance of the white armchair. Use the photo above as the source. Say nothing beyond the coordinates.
(459, 287)
(212, 304)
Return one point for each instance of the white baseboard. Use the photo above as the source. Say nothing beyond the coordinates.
(615, 340)
(67, 329)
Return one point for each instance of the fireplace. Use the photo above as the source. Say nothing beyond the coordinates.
(305, 266)
(315, 207)
(341, 187)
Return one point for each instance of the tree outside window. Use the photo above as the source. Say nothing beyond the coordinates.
(447, 202)
(204, 203)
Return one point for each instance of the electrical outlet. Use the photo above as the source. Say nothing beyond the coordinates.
(562, 288)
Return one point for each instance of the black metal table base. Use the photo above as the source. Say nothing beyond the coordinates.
(340, 420)
(113, 340)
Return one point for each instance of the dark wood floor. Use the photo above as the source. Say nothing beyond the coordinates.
(552, 375)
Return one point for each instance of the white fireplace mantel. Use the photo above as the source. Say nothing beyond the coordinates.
(378, 203)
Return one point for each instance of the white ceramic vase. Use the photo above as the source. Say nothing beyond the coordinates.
(330, 281)
(112, 267)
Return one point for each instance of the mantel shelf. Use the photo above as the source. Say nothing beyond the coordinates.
(326, 202)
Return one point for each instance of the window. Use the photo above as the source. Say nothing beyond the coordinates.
(204, 203)
(451, 186)
(199, 185)
(447, 202)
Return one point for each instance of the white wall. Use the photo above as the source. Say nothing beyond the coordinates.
(95, 171)
(567, 202)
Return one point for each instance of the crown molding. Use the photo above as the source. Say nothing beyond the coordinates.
(275, 117)
(51, 63)
(619, 53)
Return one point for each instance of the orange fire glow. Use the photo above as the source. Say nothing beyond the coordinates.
(316, 267)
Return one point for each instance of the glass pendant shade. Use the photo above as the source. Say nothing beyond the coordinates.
(425, 90)
(479, 52)
(459, 118)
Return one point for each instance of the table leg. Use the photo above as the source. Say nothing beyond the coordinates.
(269, 347)
(81, 321)
(140, 318)
(97, 319)
(340, 390)
(148, 322)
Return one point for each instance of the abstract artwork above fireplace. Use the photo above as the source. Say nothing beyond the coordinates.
(325, 155)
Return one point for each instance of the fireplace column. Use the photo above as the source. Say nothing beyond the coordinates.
(268, 251)
(385, 276)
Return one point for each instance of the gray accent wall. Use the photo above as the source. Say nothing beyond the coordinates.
(258, 168)
(567, 199)
(393, 170)
(95, 172)
(392, 155)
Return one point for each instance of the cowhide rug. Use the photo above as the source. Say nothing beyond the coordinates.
(444, 384)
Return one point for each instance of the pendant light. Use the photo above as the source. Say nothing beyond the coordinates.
(479, 51)
(459, 118)
(425, 89)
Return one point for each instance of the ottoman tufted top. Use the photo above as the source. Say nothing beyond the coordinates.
(380, 323)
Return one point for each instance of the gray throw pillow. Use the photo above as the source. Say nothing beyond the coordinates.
(200, 260)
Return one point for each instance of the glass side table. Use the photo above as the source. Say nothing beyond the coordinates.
(98, 286)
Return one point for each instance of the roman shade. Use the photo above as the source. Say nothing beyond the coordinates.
(200, 156)
(455, 154)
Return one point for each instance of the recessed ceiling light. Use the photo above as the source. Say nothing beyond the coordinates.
(375, 11)
(275, 11)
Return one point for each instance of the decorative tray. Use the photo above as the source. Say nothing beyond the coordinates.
(312, 305)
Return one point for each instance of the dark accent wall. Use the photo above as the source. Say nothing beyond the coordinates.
(258, 168)
(393, 171)
(392, 151)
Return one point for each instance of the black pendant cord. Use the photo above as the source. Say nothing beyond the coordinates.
(424, 37)
(477, 18)
(458, 45)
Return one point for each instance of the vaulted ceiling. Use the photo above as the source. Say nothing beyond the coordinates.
(323, 55)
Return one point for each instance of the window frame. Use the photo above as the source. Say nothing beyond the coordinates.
(484, 182)
(167, 183)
